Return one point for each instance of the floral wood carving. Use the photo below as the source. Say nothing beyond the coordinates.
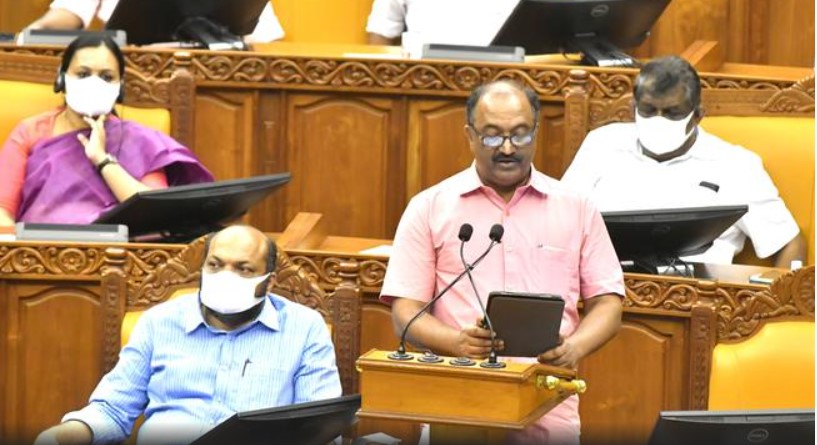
(327, 270)
(401, 76)
(744, 313)
(740, 310)
(51, 260)
(295, 283)
(603, 112)
(701, 338)
(154, 275)
(113, 279)
(142, 89)
(797, 99)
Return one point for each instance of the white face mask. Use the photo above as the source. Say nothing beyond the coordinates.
(90, 96)
(227, 293)
(660, 135)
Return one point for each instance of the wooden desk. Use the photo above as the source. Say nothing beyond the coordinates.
(660, 358)
(57, 330)
(363, 134)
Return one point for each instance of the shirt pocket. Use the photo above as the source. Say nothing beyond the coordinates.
(558, 272)
(448, 257)
(264, 384)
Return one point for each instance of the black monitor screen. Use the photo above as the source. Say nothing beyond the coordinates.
(191, 210)
(772, 427)
(553, 26)
(313, 423)
(668, 233)
(150, 21)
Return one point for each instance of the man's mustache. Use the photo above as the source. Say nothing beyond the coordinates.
(506, 158)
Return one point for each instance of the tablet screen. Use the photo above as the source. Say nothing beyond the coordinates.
(528, 323)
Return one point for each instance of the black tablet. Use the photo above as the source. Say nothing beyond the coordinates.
(527, 323)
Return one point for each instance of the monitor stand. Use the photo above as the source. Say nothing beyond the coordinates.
(210, 34)
(596, 52)
(653, 265)
(179, 235)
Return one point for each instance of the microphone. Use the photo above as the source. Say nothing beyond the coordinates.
(466, 230)
(495, 235)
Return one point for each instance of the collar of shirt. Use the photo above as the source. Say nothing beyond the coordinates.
(268, 317)
(469, 181)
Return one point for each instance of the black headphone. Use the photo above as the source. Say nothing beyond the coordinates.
(59, 83)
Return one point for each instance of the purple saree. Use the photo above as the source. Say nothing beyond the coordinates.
(61, 185)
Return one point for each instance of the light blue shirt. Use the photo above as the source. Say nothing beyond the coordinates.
(188, 377)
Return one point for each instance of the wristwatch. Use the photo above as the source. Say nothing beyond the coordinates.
(109, 159)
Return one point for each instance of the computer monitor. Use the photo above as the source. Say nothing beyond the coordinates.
(599, 29)
(655, 235)
(768, 427)
(216, 24)
(183, 213)
(312, 423)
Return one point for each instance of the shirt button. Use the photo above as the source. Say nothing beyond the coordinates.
(509, 288)
(508, 249)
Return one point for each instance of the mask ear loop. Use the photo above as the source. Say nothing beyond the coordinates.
(120, 101)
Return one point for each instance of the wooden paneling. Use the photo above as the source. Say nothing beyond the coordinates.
(224, 132)
(551, 158)
(777, 32)
(636, 375)
(16, 14)
(41, 357)
(379, 334)
(769, 32)
(789, 30)
(685, 21)
(437, 145)
(353, 141)
(58, 330)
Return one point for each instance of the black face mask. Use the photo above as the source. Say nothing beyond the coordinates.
(238, 319)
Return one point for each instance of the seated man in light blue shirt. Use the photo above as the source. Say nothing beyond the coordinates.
(196, 360)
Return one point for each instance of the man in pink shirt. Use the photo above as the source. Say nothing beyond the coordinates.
(554, 242)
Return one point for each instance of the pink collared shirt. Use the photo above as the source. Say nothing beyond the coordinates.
(555, 242)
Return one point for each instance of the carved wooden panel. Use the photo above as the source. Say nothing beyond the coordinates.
(637, 374)
(551, 158)
(343, 153)
(42, 259)
(437, 143)
(50, 364)
(224, 129)
(271, 157)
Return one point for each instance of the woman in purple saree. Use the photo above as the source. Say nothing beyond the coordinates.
(72, 164)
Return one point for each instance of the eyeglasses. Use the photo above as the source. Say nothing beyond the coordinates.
(498, 140)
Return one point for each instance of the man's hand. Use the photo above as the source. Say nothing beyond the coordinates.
(72, 432)
(475, 342)
(566, 355)
(95, 143)
(47, 437)
(601, 321)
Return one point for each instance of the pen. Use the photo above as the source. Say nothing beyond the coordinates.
(244, 369)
